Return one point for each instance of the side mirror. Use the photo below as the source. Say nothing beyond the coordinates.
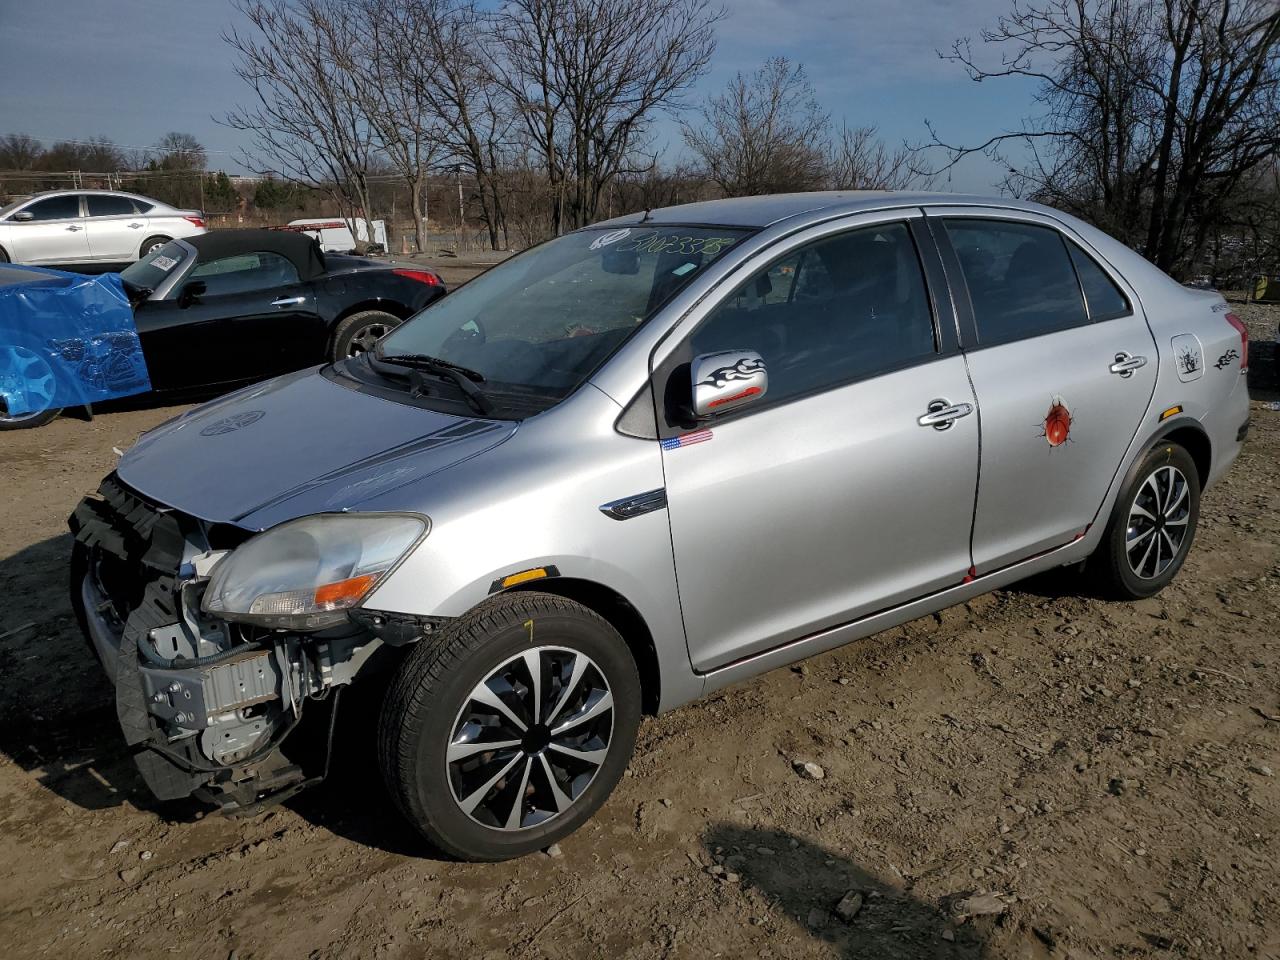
(725, 381)
(22, 216)
(192, 292)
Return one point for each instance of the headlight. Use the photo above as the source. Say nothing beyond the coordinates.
(303, 574)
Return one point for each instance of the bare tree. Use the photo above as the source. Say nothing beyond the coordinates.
(1154, 111)
(859, 160)
(398, 93)
(473, 103)
(588, 77)
(19, 152)
(307, 123)
(764, 134)
(179, 151)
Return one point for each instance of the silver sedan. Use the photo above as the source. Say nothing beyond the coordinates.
(77, 227)
(635, 464)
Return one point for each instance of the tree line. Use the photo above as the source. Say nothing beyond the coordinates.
(1156, 120)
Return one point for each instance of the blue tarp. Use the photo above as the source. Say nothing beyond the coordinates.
(66, 340)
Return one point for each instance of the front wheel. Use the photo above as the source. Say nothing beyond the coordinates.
(1151, 526)
(26, 375)
(511, 729)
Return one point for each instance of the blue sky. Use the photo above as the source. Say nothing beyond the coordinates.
(132, 70)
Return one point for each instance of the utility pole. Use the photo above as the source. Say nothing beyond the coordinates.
(462, 220)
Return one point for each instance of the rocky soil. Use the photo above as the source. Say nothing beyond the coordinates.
(1036, 774)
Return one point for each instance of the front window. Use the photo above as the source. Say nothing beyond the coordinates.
(62, 207)
(538, 325)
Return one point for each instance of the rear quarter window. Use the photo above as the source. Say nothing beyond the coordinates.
(1104, 299)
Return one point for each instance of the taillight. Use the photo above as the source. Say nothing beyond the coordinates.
(195, 221)
(422, 276)
(1244, 340)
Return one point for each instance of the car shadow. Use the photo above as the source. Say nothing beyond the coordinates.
(802, 883)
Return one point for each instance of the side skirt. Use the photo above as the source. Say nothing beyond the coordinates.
(838, 636)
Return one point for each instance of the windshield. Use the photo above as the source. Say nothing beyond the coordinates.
(540, 323)
(149, 272)
(13, 205)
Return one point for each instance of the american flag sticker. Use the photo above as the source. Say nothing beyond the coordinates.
(686, 439)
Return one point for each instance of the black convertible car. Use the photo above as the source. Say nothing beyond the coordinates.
(235, 306)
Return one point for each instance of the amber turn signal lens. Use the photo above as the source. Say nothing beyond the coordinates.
(344, 592)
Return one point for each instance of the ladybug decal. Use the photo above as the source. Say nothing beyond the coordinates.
(1057, 423)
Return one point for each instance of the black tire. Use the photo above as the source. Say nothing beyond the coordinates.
(1135, 559)
(149, 244)
(431, 700)
(4, 257)
(358, 332)
(27, 421)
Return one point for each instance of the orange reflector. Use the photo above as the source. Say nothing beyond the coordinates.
(344, 592)
(1172, 411)
(537, 573)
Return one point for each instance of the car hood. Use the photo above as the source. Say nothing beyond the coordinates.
(297, 445)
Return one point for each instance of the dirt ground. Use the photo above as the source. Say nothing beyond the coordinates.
(1092, 779)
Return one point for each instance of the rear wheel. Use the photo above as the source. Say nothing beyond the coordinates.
(151, 245)
(4, 257)
(359, 332)
(505, 734)
(27, 377)
(1152, 525)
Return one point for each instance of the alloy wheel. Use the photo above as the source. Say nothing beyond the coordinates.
(25, 375)
(365, 338)
(530, 738)
(1158, 521)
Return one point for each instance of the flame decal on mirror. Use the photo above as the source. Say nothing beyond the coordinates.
(744, 369)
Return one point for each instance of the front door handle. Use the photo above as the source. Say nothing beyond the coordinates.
(942, 414)
(1125, 364)
(73, 228)
(288, 301)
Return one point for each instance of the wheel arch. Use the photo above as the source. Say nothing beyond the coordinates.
(621, 615)
(393, 307)
(1191, 436)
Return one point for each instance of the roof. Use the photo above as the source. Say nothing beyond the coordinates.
(769, 209)
(298, 248)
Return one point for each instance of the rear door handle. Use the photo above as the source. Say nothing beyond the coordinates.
(288, 301)
(73, 228)
(135, 226)
(942, 414)
(1125, 364)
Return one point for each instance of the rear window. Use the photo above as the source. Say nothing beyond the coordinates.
(149, 272)
(1020, 278)
(100, 206)
(1105, 300)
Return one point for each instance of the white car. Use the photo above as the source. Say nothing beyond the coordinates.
(69, 227)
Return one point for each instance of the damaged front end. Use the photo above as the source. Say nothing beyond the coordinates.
(205, 700)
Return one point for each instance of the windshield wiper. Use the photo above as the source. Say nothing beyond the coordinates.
(464, 378)
(421, 361)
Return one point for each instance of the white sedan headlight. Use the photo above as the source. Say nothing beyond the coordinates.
(303, 574)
